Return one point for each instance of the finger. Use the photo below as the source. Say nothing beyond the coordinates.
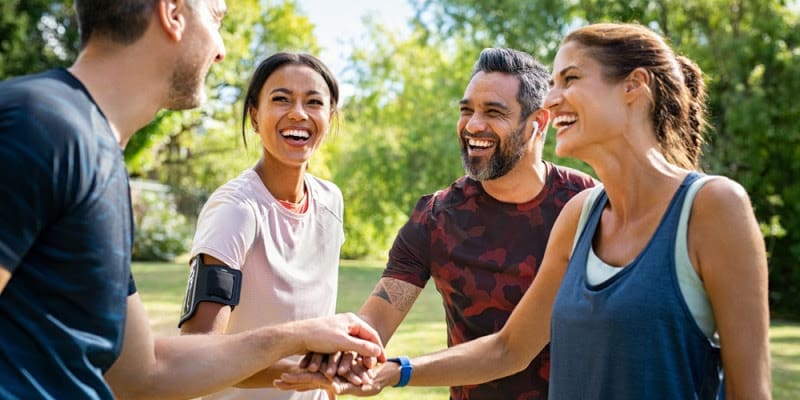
(316, 362)
(313, 380)
(346, 363)
(371, 344)
(369, 362)
(362, 373)
(306, 360)
(333, 364)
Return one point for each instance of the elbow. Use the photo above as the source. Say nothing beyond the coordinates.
(512, 360)
(515, 362)
(518, 350)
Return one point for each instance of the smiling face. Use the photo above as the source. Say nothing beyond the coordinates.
(493, 138)
(293, 114)
(586, 108)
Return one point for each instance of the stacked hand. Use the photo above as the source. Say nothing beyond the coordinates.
(340, 373)
(340, 332)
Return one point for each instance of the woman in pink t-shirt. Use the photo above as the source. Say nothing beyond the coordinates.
(267, 244)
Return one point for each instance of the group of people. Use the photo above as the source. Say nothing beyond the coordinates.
(651, 284)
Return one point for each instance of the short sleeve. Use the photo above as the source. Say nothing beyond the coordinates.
(225, 230)
(26, 183)
(131, 285)
(409, 257)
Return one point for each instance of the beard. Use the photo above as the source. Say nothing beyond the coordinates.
(504, 159)
(186, 86)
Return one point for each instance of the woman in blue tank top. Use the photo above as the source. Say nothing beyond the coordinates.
(656, 300)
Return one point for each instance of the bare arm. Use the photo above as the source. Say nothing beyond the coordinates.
(732, 263)
(5, 276)
(524, 335)
(212, 318)
(388, 305)
(497, 355)
(188, 366)
(384, 310)
(209, 318)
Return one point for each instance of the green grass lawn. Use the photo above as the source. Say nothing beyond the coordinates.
(161, 286)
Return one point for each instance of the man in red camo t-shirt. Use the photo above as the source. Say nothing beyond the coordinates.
(482, 238)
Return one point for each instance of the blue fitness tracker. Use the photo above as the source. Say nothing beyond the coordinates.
(405, 369)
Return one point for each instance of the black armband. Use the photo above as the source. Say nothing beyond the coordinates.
(215, 283)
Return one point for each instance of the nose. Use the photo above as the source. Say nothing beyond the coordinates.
(222, 52)
(475, 124)
(298, 112)
(552, 99)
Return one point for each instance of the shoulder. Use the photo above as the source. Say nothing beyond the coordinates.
(719, 199)
(234, 196)
(567, 222)
(570, 178)
(323, 188)
(457, 193)
(327, 195)
(47, 109)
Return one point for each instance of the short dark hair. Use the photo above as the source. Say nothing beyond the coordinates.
(533, 76)
(272, 64)
(121, 21)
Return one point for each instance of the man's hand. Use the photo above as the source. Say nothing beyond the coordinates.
(347, 365)
(341, 332)
(385, 375)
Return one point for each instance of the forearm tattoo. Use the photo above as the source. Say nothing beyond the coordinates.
(399, 294)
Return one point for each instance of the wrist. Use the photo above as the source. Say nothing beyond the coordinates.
(405, 369)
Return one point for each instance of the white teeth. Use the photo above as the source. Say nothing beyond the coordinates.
(296, 133)
(562, 120)
(479, 143)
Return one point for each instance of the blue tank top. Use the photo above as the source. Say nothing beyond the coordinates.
(632, 336)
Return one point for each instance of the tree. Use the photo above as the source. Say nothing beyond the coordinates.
(198, 150)
(36, 35)
(398, 138)
(749, 51)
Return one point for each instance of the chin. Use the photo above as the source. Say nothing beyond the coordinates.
(561, 150)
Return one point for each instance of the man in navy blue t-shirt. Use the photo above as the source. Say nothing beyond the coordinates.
(71, 323)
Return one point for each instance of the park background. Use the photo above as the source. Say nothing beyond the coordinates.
(395, 138)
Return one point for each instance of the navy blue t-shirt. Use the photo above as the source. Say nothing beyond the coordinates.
(66, 233)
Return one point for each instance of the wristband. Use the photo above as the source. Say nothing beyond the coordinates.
(405, 370)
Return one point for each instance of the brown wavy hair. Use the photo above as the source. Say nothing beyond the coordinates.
(677, 89)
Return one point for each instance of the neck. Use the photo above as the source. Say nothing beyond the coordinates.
(521, 184)
(636, 182)
(125, 89)
(284, 182)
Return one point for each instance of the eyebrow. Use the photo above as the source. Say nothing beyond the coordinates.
(287, 91)
(495, 104)
(562, 73)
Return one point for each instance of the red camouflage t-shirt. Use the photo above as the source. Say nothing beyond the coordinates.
(483, 255)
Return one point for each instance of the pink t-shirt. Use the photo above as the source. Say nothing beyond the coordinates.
(289, 261)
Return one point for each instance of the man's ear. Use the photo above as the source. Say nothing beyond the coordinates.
(171, 18)
(539, 123)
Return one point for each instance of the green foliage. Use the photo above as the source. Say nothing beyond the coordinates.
(203, 148)
(749, 51)
(161, 232)
(36, 35)
(398, 140)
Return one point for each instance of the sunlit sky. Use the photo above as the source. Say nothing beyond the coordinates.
(339, 22)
